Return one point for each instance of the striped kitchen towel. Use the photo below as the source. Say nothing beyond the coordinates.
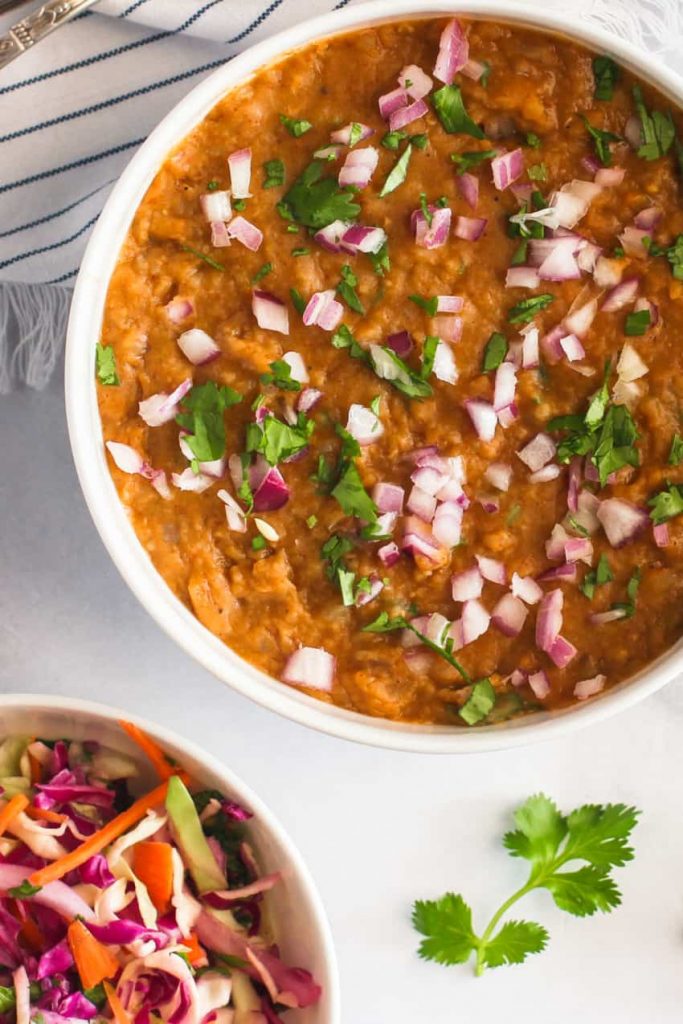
(74, 109)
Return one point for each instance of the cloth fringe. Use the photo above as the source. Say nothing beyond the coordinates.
(36, 316)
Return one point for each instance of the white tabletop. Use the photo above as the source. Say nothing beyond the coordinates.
(377, 828)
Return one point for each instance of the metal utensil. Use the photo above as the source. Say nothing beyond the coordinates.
(37, 25)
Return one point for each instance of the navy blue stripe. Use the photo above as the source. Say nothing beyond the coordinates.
(56, 213)
(115, 52)
(255, 23)
(48, 248)
(111, 102)
(61, 278)
(342, 3)
(133, 7)
(81, 162)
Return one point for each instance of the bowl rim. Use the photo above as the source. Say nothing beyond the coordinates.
(84, 424)
(234, 783)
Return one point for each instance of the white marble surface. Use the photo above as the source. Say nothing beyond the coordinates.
(377, 828)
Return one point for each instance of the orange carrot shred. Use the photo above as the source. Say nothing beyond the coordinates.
(36, 768)
(11, 809)
(31, 935)
(162, 766)
(196, 954)
(94, 961)
(38, 814)
(120, 1015)
(96, 843)
(153, 864)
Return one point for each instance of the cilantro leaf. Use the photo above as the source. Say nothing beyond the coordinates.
(637, 323)
(295, 126)
(465, 161)
(601, 140)
(593, 839)
(533, 140)
(667, 504)
(479, 703)
(606, 74)
(298, 301)
(205, 420)
(390, 367)
(676, 452)
(447, 923)
(380, 260)
(262, 272)
(273, 173)
(596, 577)
(346, 289)
(431, 344)
(526, 310)
(538, 172)
(343, 338)
(658, 130)
(105, 363)
(392, 140)
(281, 376)
(384, 624)
(315, 201)
(278, 441)
(23, 891)
(429, 305)
(351, 494)
(495, 351)
(209, 260)
(397, 174)
(450, 110)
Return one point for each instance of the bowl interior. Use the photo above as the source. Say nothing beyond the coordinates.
(86, 434)
(302, 930)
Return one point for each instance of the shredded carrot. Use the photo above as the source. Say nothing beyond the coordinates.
(97, 842)
(36, 768)
(162, 765)
(38, 814)
(31, 935)
(11, 809)
(94, 961)
(153, 864)
(120, 1015)
(196, 955)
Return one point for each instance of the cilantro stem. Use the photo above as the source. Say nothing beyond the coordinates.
(494, 922)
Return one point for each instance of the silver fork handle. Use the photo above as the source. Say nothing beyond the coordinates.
(37, 25)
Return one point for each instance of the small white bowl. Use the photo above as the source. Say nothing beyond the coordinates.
(303, 932)
(86, 433)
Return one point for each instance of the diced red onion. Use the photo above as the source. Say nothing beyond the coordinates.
(586, 688)
(392, 101)
(475, 621)
(660, 533)
(312, 667)
(329, 152)
(509, 615)
(449, 303)
(248, 234)
(239, 165)
(330, 315)
(540, 686)
(508, 415)
(578, 320)
(453, 52)
(483, 416)
(608, 177)
(565, 573)
(492, 570)
(572, 347)
(574, 484)
(554, 546)
(178, 309)
(468, 185)
(507, 168)
(401, 343)
(549, 619)
(444, 367)
(621, 521)
(490, 505)
(447, 523)
(125, 457)
(220, 236)
(545, 475)
(505, 386)
(343, 135)
(522, 277)
(560, 265)
(448, 328)
(631, 239)
(270, 312)
(540, 450)
(592, 164)
(643, 303)
(188, 480)
(569, 206)
(526, 588)
(473, 69)
(621, 295)
(389, 554)
(429, 479)
(358, 168)
(630, 366)
(437, 626)
(469, 228)
(362, 238)
(330, 236)
(162, 407)
(648, 218)
(562, 652)
(297, 367)
(530, 357)
(608, 272)
(197, 346)
(578, 549)
(315, 306)
(633, 131)
(498, 474)
(467, 585)
(388, 497)
(522, 191)
(603, 618)
(216, 206)
(514, 353)
(455, 636)
(363, 424)
(364, 597)
(588, 256)
(436, 235)
(268, 486)
(406, 115)
(415, 81)
(421, 504)
(418, 539)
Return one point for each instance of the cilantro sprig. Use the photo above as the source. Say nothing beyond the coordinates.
(657, 129)
(105, 365)
(606, 74)
(526, 310)
(295, 126)
(280, 376)
(278, 441)
(472, 158)
(343, 481)
(667, 504)
(571, 857)
(601, 140)
(315, 201)
(385, 624)
(204, 419)
(384, 362)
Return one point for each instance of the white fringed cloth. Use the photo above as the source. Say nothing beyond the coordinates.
(74, 110)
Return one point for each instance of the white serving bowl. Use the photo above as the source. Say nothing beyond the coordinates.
(302, 930)
(86, 434)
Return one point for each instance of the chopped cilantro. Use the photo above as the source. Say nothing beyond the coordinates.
(343, 338)
(495, 351)
(262, 272)
(315, 201)
(292, 229)
(429, 305)
(629, 607)
(596, 577)
(513, 515)
(520, 253)
(538, 172)
(667, 504)
(311, 521)
(485, 75)
(426, 212)
(355, 132)
(285, 213)
(674, 254)
(676, 452)
(618, 252)
(258, 543)
(390, 367)
(601, 140)
(281, 376)
(23, 891)
(479, 703)
(605, 75)
(333, 551)
(301, 252)
(431, 344)
(533, 140)
(392, 140)
(657, 129)
(278, 441)
(397, 175)
(204, 420)
(273, 173)
(526, 310)
(450, 109)
(296, 127)
(298, 301)
(637, 323)
(419, 141)
(351, 494)
(465, 161)
(346, 289)
(105, 362)
(202, 256)
(212, 186)
(375, 404)
(380, 260)
(384, 624)
(239, 205)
